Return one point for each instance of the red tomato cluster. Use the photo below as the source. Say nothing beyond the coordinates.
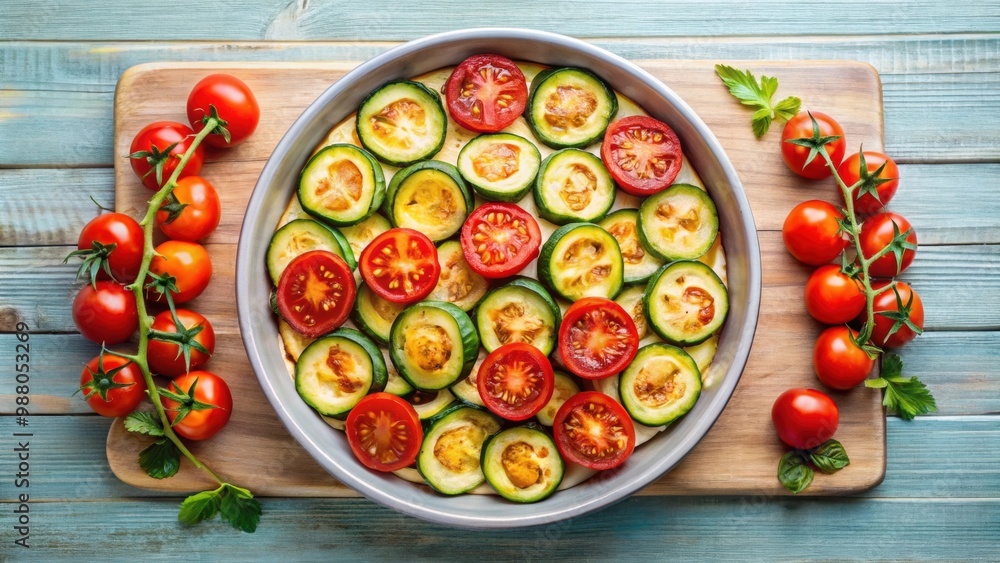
(181, 341)
(814, 233)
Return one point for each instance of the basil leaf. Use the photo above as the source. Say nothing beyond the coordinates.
(829, 457)
(793, 473)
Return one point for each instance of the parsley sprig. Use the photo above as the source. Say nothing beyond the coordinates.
(749, 92)
(906, 396)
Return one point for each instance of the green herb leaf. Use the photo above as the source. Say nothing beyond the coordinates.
(793, 473)
(200, 506)
(829, 457)
(144, 422)
(907, 397)
(160, 460)
(745, 88)
(240, 508)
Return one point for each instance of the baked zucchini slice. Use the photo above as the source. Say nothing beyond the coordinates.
(522, 464)
(396, 384)
(573, 185)
(680, 223)
(341, 185)
(402, 122)
(565, 387)
(433, 344)
(570, 107)
(457, 284)
(361, 234)
(500, 166)
(685, 302)
(467, 388)
(374, 315)
(521, 311)
(639, 262)
(301, 236)
(429, 404)
(660, 385)
(581, 260)
(430, 197)
(630, 299)
(336, 371)
(449, 458)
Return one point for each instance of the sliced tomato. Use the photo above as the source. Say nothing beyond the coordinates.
(486, 93)
(597, 338)
(515, 381)
(642, 154)
(400, 265)
(591, 429)
(500, 239)
(384, 432)
(316, 292)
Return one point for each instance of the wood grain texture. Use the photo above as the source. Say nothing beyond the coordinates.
(640, 528)
(31, 216)
(300, 20)
(780, 358)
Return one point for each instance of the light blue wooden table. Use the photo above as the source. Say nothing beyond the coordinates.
(940, 68)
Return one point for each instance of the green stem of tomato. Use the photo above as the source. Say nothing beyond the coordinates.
(146, 321)
(866, 279)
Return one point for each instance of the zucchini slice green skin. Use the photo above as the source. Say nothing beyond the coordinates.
(402, 101)
(433, 344)
(594, 105)
(500, 166)
(522, 464)
(334, 372)
(581, 260)
(300, 236)
(573, 185)
(430, 197)
(449, 458)
(521, 311)
(351, 204)
(380, 375)
(680, 223)
(660, 385)
(685, 303)
(374, 315)
(457, 283)
(640, 262)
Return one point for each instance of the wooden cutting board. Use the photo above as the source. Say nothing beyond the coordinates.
(738, 456)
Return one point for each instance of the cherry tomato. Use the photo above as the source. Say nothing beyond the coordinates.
(400, 265)
(876, 190)
(163, 135)
(201, 387)
(500, 239)
(838, 361)
(188, 263)
(105, 313)
(591, 429)
(112, 385)
(833, 297)
(887, 302)
(812, 232)
(194, 211)
(642, 154)
(384, 432)
(95, 246)
(795, 156)
(805, 418)
(597, 338)
(877, 232)
(316, 292)
(515, 381)
(486, 93)
(166, 358)
(234, 102)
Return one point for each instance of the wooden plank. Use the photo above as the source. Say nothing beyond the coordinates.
(55, 362)
(379, 20)
(960, 278)
(32, 217)
(927, 86)
(646, 529)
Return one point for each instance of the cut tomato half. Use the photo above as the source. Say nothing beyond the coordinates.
(486, 93)
(384, 432)
(591, 429)
(316, 292)
(499, 239)
(400, 265)
(515, 381)
(642, 154)
(597, 338)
